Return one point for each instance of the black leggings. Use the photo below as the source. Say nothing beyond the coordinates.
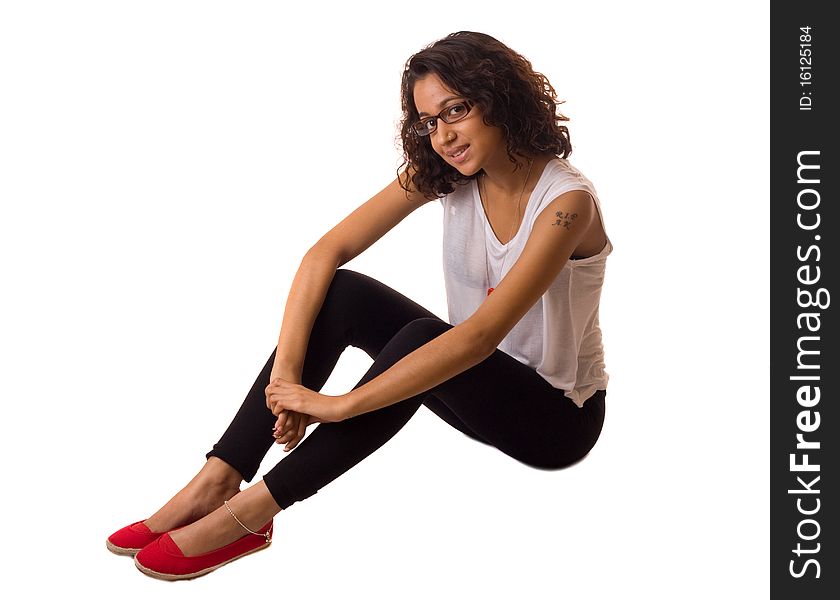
(500, 401)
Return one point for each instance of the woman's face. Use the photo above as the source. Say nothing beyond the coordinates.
(468, 145)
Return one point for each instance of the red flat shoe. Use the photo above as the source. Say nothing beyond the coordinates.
(129, 540)
(163, 559)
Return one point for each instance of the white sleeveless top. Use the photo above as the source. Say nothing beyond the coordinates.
(559, 336)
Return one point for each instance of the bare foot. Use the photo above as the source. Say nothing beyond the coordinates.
(254, 507)
(215, 483)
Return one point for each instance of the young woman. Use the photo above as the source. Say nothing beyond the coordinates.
(521, 365)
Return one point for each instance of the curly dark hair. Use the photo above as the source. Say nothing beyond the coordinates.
(510, 94)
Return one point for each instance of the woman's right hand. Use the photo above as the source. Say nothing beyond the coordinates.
(290, 428)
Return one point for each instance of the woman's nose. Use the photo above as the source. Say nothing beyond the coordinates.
(444, 133)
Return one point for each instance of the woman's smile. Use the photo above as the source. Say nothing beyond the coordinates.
(459, 154)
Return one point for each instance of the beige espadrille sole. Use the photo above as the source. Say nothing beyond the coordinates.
(121, 551)
(169, 577)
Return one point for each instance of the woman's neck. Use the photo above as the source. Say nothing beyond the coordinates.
(506, 181)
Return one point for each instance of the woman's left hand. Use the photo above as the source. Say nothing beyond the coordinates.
(283, 395)
(290, 428)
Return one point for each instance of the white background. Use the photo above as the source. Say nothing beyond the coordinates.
(165, 165)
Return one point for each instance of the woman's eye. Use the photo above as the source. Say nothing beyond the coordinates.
(456, 110)
(430, 124)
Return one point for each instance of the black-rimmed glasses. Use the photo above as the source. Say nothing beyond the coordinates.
(451, 114)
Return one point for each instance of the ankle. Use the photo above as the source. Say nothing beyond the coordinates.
(254, 506)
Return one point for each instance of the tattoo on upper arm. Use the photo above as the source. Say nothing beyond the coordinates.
(565, 219)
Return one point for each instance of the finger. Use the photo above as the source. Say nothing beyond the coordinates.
(286, 437)
(295, 424)
(287, 426)
(281, 421)
(292, 442)
(271, 399)
(301, 431)
(281, 438)
(289, 432)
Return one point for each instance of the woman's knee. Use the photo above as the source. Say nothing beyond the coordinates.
(347, 293)
(554, 462)
(424, 330)
(345, 278)
(353, 291)
(412, 336)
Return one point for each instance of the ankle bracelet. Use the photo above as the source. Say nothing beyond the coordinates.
(266, 535)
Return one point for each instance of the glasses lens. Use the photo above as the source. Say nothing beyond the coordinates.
(456, 112)
(425, 127)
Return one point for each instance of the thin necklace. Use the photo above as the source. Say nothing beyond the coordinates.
(510, 235)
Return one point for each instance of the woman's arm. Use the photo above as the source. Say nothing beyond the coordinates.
(309, 288)
(444, 357)
(550, 244)
(557, 231)
(352, 236)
